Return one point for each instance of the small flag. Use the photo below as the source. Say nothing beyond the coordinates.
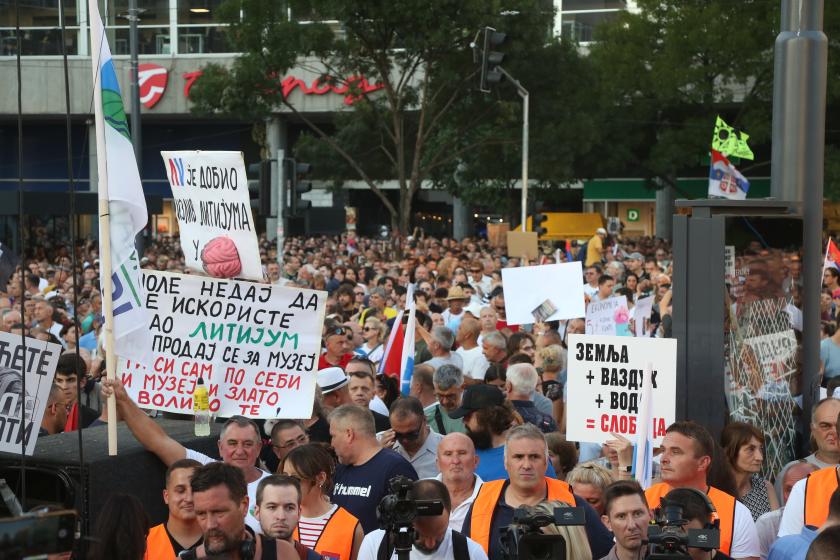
(832, 256)
(729, 141)
(407, 361)
(392, 357)
(725, 181)
(120, 179)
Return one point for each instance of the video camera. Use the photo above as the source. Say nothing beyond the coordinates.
(669, 540)
(397, 511)
(524, 540)
(37, 534)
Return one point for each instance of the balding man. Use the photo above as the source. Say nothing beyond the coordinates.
(456, 460)
(469, 350)
(361, 478)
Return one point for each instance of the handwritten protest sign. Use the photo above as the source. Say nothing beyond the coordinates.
(211, 201)
(608, 317)
(38, 361)
(255, 345)
(557, 288)
(641, 315)
(605, 377)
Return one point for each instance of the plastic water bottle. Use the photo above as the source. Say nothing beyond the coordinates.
(201, 409)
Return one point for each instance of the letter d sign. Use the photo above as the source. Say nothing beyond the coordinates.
(632, 215)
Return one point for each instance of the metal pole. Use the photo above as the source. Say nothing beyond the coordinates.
(523, 93)
(281, 204)
(798, 158)
(133, 40)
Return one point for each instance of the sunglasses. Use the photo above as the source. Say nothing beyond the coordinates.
(476, 270)
(339, 331)
(368, 329)
(358, 293)
(408, 436)
(665, 286)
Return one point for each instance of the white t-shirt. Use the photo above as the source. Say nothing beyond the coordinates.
(459, 514)
(370, 549)
(250, 520)
(472, 358)
(744, 536)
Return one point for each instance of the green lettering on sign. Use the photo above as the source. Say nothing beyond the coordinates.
(632, 215)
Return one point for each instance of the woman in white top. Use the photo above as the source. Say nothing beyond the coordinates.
(374, 334)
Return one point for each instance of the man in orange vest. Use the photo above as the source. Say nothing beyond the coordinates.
(525, 457)
(688, 451)
(181, 530)
(808, 501)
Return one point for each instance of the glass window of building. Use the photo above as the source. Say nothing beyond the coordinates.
(153, 26)
(200, 28)
(40, 29)
(579, 19)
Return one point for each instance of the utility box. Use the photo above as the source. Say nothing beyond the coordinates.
(737, 278)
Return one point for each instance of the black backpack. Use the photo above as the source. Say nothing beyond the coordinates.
(459, 547)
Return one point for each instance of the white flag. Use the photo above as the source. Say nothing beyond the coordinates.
(119, 181)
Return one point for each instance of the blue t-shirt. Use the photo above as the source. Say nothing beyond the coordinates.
(359, 489)
(830, 356)
(491, 464)
(793, 547)
(600, 539)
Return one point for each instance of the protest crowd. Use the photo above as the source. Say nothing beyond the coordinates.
(481, 427)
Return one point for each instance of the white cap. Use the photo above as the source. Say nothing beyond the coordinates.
(331, 378)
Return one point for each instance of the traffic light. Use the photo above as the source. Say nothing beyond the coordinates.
(259, 187)
(298, 172)
(490, 59)
(536, 224)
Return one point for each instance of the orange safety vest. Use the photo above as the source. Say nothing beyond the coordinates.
(333, 541)
(484, 506)
(158, 545)
(724, 504)
(819, 486)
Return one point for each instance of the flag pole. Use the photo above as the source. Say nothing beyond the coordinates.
(104, 222)
(825, 259)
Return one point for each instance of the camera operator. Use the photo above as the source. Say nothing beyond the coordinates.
(433, 539)
(696, 512)
(627, 515)
(525, 458)
(688, 455)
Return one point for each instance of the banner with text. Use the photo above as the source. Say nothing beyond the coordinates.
(605, 377)
(255, 345)
(213, 206)
(39, 362)
(608, 317)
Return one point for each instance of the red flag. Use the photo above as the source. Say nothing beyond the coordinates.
(833, 253)
(392, 360)
(72, 423)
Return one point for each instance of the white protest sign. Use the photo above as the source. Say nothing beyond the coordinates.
(213, 206)
(641, 315)
(607, 317)
(40, 360)
(255, 345)
(556, 290)
(605, 376)
(776, 352)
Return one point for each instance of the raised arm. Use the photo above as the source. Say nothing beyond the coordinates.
(146, 430)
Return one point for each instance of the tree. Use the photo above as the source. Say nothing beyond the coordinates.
(669, 69)
(418, 51)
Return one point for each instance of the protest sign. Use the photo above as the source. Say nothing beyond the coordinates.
(38, 361)
(213, 206)
(256, 346)
(608, 317)
(551, 287)
(605, 378)
(522, 244)
(641, 315)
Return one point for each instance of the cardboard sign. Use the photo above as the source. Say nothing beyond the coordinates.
(557, 287)
(211, 200)
(641, 315)
(608, 317)
(39, 362)
(256, 346)
(522, 244)
(605, 378)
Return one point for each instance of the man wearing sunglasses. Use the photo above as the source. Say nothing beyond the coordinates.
(338, 340)
(414, 440)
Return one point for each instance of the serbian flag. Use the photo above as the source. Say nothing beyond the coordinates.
(832, 256)
(407, 360)
(392, 357)
(725, 181)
